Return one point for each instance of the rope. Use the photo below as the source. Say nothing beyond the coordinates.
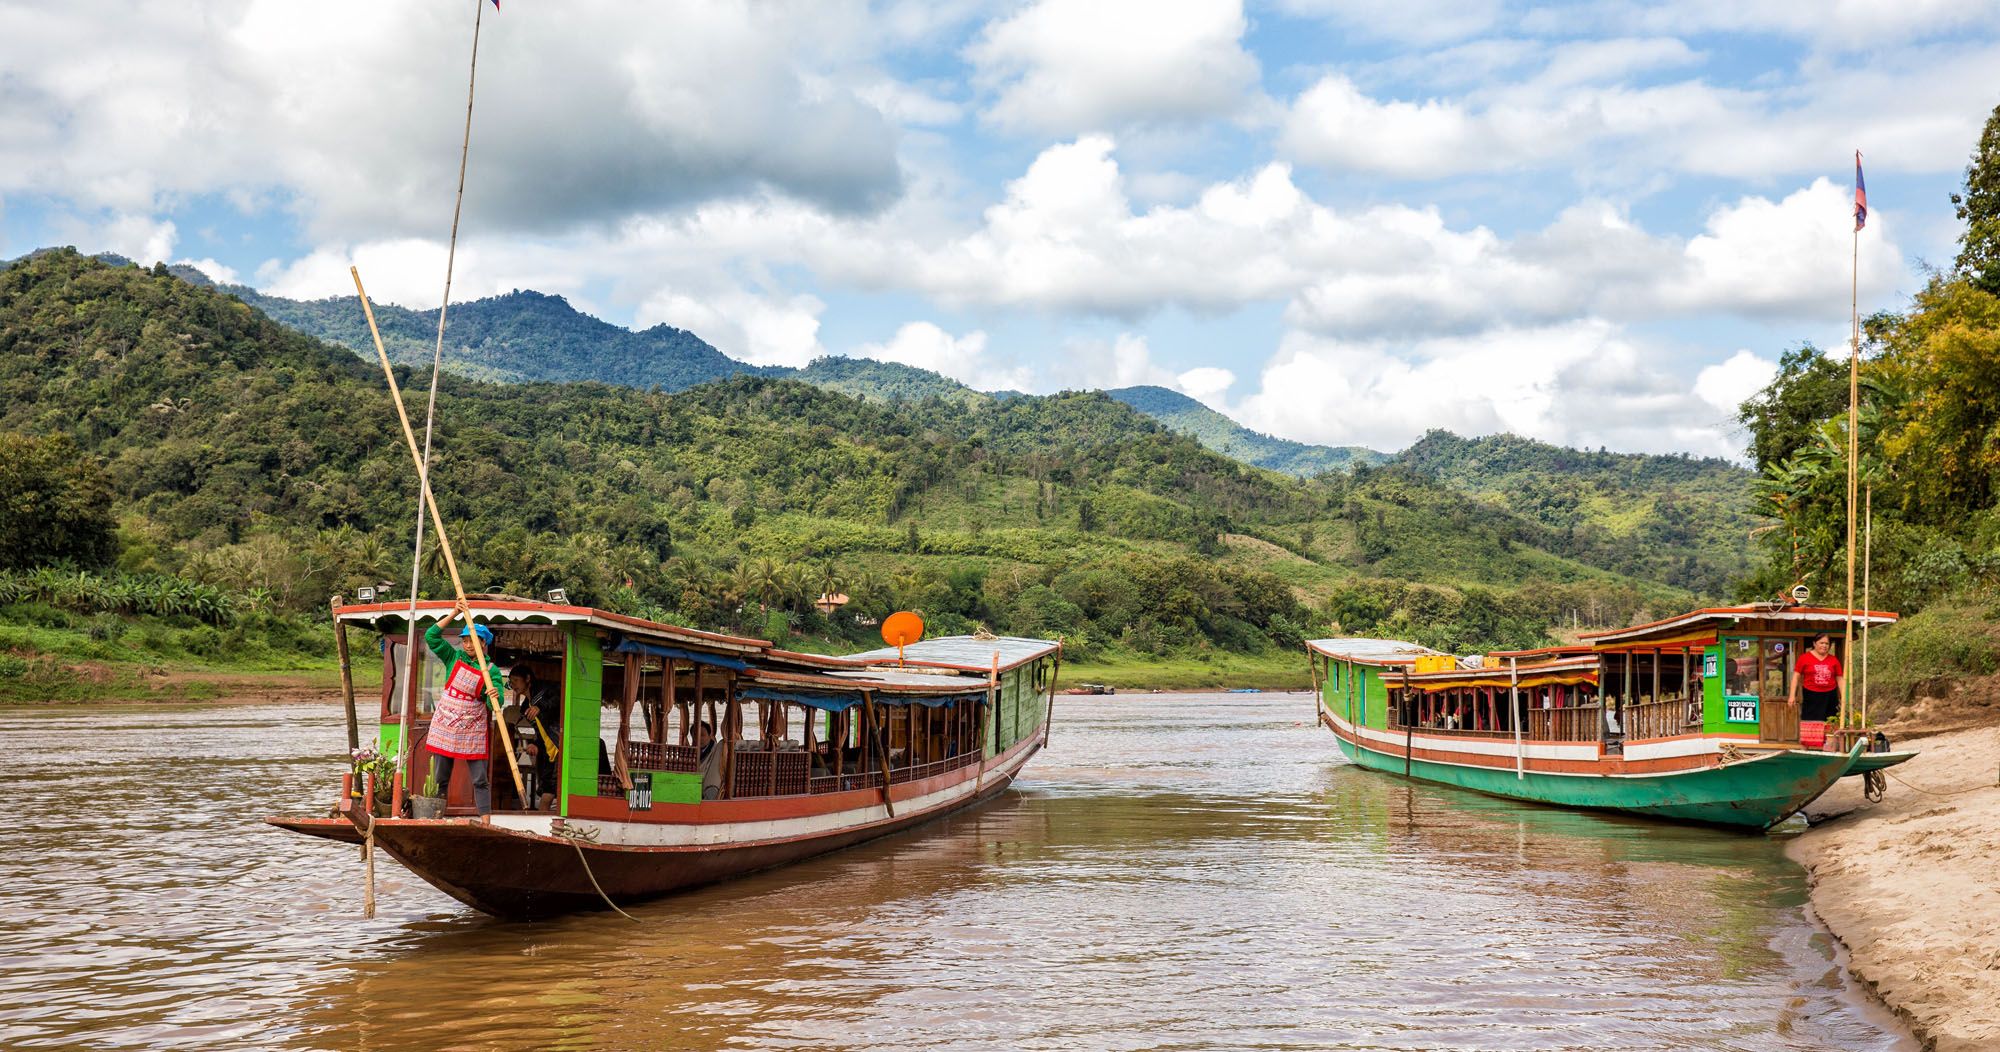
(437, 362)
(1934, 792)
(574, 841)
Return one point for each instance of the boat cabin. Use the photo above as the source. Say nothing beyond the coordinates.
(1719, 671)
(640, 718)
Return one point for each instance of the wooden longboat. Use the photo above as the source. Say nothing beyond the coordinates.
(813, 753)
(1700, 727)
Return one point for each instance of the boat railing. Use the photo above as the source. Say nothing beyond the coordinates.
(1577, 723)
(771, 774)
(1666, 718)
(662, 756)
(935, 767)
(830, 783)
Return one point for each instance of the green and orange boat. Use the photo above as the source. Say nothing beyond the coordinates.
(1687, 718)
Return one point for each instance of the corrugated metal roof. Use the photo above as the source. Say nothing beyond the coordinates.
(1372, 651)
(964, 651)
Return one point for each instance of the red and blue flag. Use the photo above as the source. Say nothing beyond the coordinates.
(1860, 190)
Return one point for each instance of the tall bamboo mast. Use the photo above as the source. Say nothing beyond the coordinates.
(1853, 449)
(430, 409)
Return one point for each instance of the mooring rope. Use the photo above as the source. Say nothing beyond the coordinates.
(1935, 792)
(575, 840)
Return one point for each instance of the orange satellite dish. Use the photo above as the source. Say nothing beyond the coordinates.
(900, 629)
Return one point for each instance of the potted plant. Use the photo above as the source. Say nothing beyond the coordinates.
(430, 802)
(366, 762)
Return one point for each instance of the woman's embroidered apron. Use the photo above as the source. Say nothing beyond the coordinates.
(458, 727)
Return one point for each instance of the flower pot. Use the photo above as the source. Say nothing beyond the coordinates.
(427, 807)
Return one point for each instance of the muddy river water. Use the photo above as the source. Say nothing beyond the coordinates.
(1175, 872)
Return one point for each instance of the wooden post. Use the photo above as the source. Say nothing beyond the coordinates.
(346, 677)
(870, 726)
(1055, 673)
(1514, 708)
(493, 699)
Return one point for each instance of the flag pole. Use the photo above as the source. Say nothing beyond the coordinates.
(1853, 438)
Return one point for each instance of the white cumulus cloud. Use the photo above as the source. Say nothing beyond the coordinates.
(1069, 66)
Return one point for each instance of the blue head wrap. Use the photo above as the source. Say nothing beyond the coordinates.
(485, 636)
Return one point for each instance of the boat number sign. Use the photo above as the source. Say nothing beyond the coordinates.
(1741, 710)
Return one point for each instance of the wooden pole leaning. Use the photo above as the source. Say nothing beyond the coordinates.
(876, 738)
(346, 678)
(444, 541)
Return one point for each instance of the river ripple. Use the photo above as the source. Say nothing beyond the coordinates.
(1175, 872)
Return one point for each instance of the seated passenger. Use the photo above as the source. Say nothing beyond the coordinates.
(711, 761)
(540, 726)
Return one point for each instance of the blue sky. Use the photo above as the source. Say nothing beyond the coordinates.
(1340, 221)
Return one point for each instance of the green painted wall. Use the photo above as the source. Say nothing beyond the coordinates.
(583, 705)
(1363, 687)
(1714, 707)
(676, 787)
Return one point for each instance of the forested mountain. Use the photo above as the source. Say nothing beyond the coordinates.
(245, 455)
(1231, 439)
(518, 337)
(1673, 518)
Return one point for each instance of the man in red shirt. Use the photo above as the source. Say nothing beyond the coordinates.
(1819, 677)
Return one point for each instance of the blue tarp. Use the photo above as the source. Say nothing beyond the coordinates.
(628, 646)
(843, 702)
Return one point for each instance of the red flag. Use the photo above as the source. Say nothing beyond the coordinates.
(1860, 190)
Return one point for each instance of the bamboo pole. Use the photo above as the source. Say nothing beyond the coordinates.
(1514, 709)
(1055, 673)
(1853, 457)
(493, 700)
(871, 729)
(346, 678)
(1867, 558)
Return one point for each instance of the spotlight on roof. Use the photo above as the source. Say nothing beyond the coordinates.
(559, 596)
(364, 594)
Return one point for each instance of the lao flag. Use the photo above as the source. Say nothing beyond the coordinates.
(1860, 195)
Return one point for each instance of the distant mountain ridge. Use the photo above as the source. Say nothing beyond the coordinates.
(1231, 439)
(526, 336)
(518, 337)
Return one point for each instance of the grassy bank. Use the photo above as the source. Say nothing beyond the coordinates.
(1271, 670)
(1926, 653)
(52, 656)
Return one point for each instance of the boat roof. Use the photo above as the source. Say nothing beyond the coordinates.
(1541, 653)
(1364, 651)
(928, 661)
(1564, 669)
(962, 653)
(1727, 616)
(489, 611)
(885, 682)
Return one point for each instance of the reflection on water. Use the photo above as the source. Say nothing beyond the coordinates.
(1175, 872)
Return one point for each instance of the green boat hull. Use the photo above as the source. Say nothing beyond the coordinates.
(1754, 794)
(1875, 761)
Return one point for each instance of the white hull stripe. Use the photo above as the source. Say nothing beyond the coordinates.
(737, 834)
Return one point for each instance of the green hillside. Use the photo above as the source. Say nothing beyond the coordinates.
(1231, 439)
(1680, 519)
(883, 381)
(245, 456)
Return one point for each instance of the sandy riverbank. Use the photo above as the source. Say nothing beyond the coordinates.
(1909, 885)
